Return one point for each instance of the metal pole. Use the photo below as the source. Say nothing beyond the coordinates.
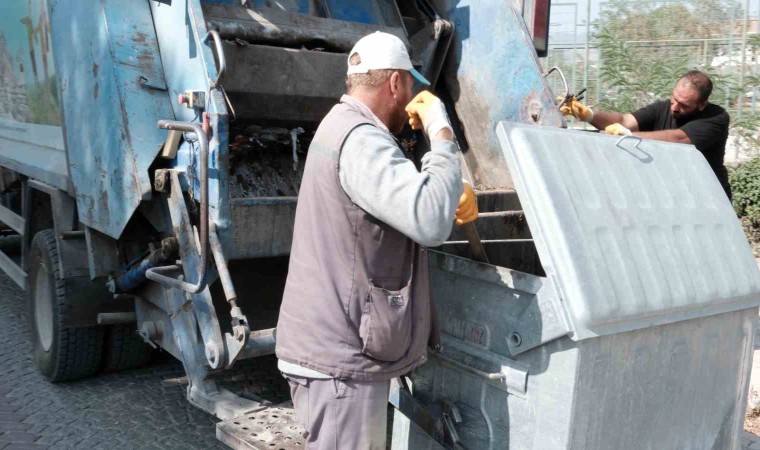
(575, 47)
(730, 51)
(744, 58)
(588, 37)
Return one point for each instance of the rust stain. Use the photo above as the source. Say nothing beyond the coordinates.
(95, 90)
(95, 70)
(104, 213)
(145, 60)
(140, 38)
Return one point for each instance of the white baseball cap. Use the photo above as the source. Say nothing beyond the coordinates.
(382, 51)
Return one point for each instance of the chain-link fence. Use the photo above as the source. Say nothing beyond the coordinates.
(628, 53)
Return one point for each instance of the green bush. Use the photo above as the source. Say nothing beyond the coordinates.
(745, 184)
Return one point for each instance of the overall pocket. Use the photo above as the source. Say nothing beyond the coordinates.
(386, 323)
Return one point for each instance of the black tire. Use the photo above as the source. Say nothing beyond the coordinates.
(124, 349)
(60, 352)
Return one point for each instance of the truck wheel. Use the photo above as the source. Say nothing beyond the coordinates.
(60, 352)
(124, 349)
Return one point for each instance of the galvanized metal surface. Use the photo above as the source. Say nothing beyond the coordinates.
(630, 235)
(680, 385)
(274, 427)
(107, 109)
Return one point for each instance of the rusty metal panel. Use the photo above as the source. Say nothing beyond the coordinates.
(315, 82)
(112, 92)
(492, 73)
(283, 29)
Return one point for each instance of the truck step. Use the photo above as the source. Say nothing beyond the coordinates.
(273, 428)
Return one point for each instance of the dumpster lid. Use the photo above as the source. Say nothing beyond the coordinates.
(631, 233)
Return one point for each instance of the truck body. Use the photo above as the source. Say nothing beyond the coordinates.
(150, 160)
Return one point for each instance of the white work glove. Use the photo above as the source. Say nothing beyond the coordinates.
(426, 110)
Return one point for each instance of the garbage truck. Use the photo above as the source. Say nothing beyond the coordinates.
(151, 153)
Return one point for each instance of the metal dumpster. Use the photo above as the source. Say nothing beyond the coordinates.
(639, 336)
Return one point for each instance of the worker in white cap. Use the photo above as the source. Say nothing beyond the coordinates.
(357, 311)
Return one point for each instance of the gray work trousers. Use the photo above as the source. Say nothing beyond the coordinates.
(341, 415)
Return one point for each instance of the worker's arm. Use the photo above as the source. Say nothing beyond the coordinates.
(599, 119)
(676, 135)
(378, 177)
(602, 119)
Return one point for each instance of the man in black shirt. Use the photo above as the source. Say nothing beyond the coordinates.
(686, 118)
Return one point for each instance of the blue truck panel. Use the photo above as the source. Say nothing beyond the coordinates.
(493, 74)
(104, 53)
(31, 138)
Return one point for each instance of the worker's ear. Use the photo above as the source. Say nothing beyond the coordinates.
(396, 83)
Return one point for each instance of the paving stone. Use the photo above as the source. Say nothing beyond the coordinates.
(149, 404)
(25, 446)
(9, 426)
(11, 417)
(18, 437)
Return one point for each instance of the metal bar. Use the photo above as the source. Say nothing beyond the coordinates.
(221, 265)
(157, 273)
(13, 270)
(117, 318)
(259, 343)
(219, 54)
(491, 241)
(453, 362)
(476, 245)
(76, 234)
(403, 400)
(744, 59)
(40, 186)
(26, 212)
(515, 213)
(13, 220)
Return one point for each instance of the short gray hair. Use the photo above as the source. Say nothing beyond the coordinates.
(369, 79)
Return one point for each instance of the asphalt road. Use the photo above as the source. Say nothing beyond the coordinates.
(143, 408)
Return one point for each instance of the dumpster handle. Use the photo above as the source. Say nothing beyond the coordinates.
(157, 273)
(628, 136)
(455, 363)
(219, 54)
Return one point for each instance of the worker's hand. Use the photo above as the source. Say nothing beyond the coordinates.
(573, 107)
(467, 211)
(427, 111)
(617, 129)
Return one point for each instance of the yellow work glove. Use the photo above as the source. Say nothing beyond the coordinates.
(573, 107)
(427, 111)
(467, 211)
(617, 129)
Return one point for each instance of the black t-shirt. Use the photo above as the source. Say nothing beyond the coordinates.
(707, 130)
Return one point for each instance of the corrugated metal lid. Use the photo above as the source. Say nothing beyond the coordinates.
(631, 233)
